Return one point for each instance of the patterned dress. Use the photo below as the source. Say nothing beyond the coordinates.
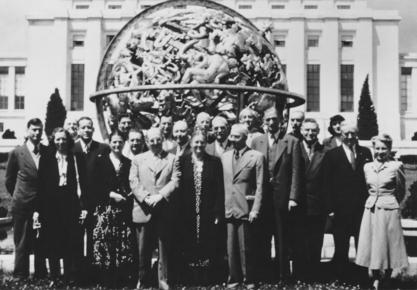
(113, 239)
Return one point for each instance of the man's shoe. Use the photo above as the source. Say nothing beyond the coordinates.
(164, 285)
(232, 285)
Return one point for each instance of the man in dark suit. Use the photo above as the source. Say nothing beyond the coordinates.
(243, 170)
(22, 184)
(315, 204)
(296, 119)
(221, 144)
(347, 191)
(283, 193)
(86, 151)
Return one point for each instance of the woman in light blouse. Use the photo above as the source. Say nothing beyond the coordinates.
(56, 206)
(381, 245)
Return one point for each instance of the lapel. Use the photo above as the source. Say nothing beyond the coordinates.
(281, 147)
(342, 154)
(317, 157)
(157, 168)
(305, 155)
(28, 156)
(243, 161)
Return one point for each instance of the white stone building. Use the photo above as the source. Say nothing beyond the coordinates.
(328, 47)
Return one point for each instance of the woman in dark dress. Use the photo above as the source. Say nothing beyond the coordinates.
(201, 199)
(57, 206)
(112, 235)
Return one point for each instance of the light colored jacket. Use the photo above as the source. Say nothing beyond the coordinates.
(386, 184)
(243, 185)
(148, 177)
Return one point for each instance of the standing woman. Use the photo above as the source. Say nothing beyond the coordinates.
(112, 235)
(381, 245)
(57, 205)
(201, 198)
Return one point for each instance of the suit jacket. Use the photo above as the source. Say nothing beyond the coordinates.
(86, 165)
(329, 143)
(345, 188)
(22, 179)
(107, 180)
(313, 180)
(285, 182)
(146, 178)
(211, 148)
(243, 186)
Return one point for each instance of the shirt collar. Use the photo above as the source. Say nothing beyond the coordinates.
(60, 156)
(347, 148)
(84, 145)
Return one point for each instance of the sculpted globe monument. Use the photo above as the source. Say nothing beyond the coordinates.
(183, 57)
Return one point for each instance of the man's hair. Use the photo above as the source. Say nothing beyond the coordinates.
(116, 133)
(34, 122)
(241, 129)
(310, 120)
(121, 116)
(84, 118)
(134, 130)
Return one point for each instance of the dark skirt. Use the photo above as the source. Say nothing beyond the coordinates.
(113, 239)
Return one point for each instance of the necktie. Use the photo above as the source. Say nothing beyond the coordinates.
(36, 150)
(310, 151)
(237, 155)
(352, 159)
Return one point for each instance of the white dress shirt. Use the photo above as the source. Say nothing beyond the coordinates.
(348, 152)
(62, 168)
(36, 156)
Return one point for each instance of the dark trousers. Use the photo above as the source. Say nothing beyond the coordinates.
(240, 249)
(345, 226)
(297, 245)
(55, 266)
(314, 233)
(24, 241)
(282, 238)
(149, 235)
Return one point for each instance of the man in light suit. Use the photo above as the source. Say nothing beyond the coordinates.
(153, 179)
(22, 184)
(283, 190)
(315, 207)
(221, 144)
(243, 171)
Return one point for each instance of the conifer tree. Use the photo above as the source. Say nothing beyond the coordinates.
(367, 120)
(55, 113)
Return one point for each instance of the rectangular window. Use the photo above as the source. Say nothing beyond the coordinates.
(78, 40)
(145, 6)
(19, 93)
(346, 87)
(1, 126)
(313, 41)
(244, 6)
(4, 79)
(343, 7)
(347, 41)
(284, 68)
(109, 38)
(277, 6)
(310, 7)
(114, 6)
(313, 87)
(405, 87)
(82, 6)
(77, 87)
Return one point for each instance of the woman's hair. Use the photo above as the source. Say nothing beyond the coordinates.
(70, 141)
(199, 131)
(116, 133)
(383, 138)
(333, 120)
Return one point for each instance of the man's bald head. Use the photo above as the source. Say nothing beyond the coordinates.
(203, 120)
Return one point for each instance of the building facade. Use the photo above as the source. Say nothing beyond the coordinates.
(328, 48)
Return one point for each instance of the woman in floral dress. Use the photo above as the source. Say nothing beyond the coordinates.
(381, 245)
(201, 199)
(112, 235)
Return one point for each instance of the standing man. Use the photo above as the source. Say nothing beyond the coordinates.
(22, 183)
(136, 143)
(243, 171)
(86, 152)
(153, 179)
(283, 190)
(71, 126)
(182, 138)
(296, 119)
(315, 206)
(166, 123)
(347, 192)
(124, 124)
(221, 144)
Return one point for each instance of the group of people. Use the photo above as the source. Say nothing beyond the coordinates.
(213, 199)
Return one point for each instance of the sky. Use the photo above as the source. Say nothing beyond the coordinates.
(408, 24)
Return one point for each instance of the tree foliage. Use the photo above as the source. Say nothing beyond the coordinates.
(367, 120)
(55, 113)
